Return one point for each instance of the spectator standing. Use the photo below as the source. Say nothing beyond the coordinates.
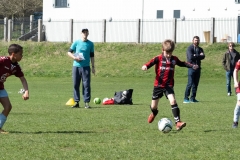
(82, 52)
(194, 56)
(230, 57)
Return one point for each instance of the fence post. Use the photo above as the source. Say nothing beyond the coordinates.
(39, 30)
(174, 30)
(9, 30)
(22, 27)
(212, 33)
(70, 30)
(138, 31)
(5, 29)
(104, 30)
(31, 23)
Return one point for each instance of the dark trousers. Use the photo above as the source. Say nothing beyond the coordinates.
(193, 81)
(81, 74)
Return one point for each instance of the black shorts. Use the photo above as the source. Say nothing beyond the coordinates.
(158, 92)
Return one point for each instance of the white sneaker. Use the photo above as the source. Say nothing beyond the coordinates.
(229, 94)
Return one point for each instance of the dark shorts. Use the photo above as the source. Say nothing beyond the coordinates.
(158, 92)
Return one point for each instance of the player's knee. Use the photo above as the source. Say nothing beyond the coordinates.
(8, 108)
(238, 103)
(173, 102)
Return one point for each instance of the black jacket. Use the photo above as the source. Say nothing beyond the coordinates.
(193, 56)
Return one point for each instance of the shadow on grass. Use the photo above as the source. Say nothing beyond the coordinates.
(47, 132)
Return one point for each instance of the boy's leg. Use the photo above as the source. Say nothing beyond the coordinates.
(154, 109)
(157, 94)
(6, 108)
(236, 112)
(175, 110)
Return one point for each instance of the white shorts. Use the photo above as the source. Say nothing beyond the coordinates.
(3, 93)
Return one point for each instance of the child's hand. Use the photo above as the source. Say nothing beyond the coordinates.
(236, 85)
(144, 68)
(25, 96)
(195, 67)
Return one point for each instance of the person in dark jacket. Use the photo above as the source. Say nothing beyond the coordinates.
(194, 56)
(230, 57)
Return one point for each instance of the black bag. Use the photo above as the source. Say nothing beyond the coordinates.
(123, 97)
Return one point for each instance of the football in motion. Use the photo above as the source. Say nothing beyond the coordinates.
(97, 100)
(165, 125)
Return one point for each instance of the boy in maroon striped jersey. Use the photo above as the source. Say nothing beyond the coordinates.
(9, 66)
(164, 80)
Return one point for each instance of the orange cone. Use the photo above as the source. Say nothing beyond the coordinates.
(70, 102)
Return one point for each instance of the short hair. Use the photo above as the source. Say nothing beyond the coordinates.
(14, 48)
(84, 29)
(168, 45)
(231, 43)
(196, 37)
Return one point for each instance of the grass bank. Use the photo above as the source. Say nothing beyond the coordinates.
(47, 59)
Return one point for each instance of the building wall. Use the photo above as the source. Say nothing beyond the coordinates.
(140, 9)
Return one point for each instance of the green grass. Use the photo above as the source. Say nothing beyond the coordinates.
(45, 128)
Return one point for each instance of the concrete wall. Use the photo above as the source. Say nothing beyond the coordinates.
(140, 9)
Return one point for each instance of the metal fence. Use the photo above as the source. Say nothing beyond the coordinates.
(150, 31)
(19, 27)
(135, 31)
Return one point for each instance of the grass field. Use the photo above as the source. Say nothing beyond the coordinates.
(45, 128)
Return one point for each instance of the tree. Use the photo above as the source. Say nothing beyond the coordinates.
(19, 8)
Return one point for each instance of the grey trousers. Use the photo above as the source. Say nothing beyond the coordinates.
(81, 74)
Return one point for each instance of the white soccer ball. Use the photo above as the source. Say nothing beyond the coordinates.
(105, 99)
(165, 125)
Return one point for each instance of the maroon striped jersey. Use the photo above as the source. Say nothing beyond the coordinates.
(164, 69)
(8, 68)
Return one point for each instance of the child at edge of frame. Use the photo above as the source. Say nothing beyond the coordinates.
(9, 66)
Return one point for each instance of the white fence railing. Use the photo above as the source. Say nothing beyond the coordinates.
(146, 31)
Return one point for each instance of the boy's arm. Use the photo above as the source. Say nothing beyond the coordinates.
(25, 96)
(185, 64)
(151, 63)
(235, 77)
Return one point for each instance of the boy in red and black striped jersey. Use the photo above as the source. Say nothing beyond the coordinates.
(237, 86)
(164, 80)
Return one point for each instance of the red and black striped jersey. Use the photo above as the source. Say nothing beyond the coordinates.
(164, 69)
